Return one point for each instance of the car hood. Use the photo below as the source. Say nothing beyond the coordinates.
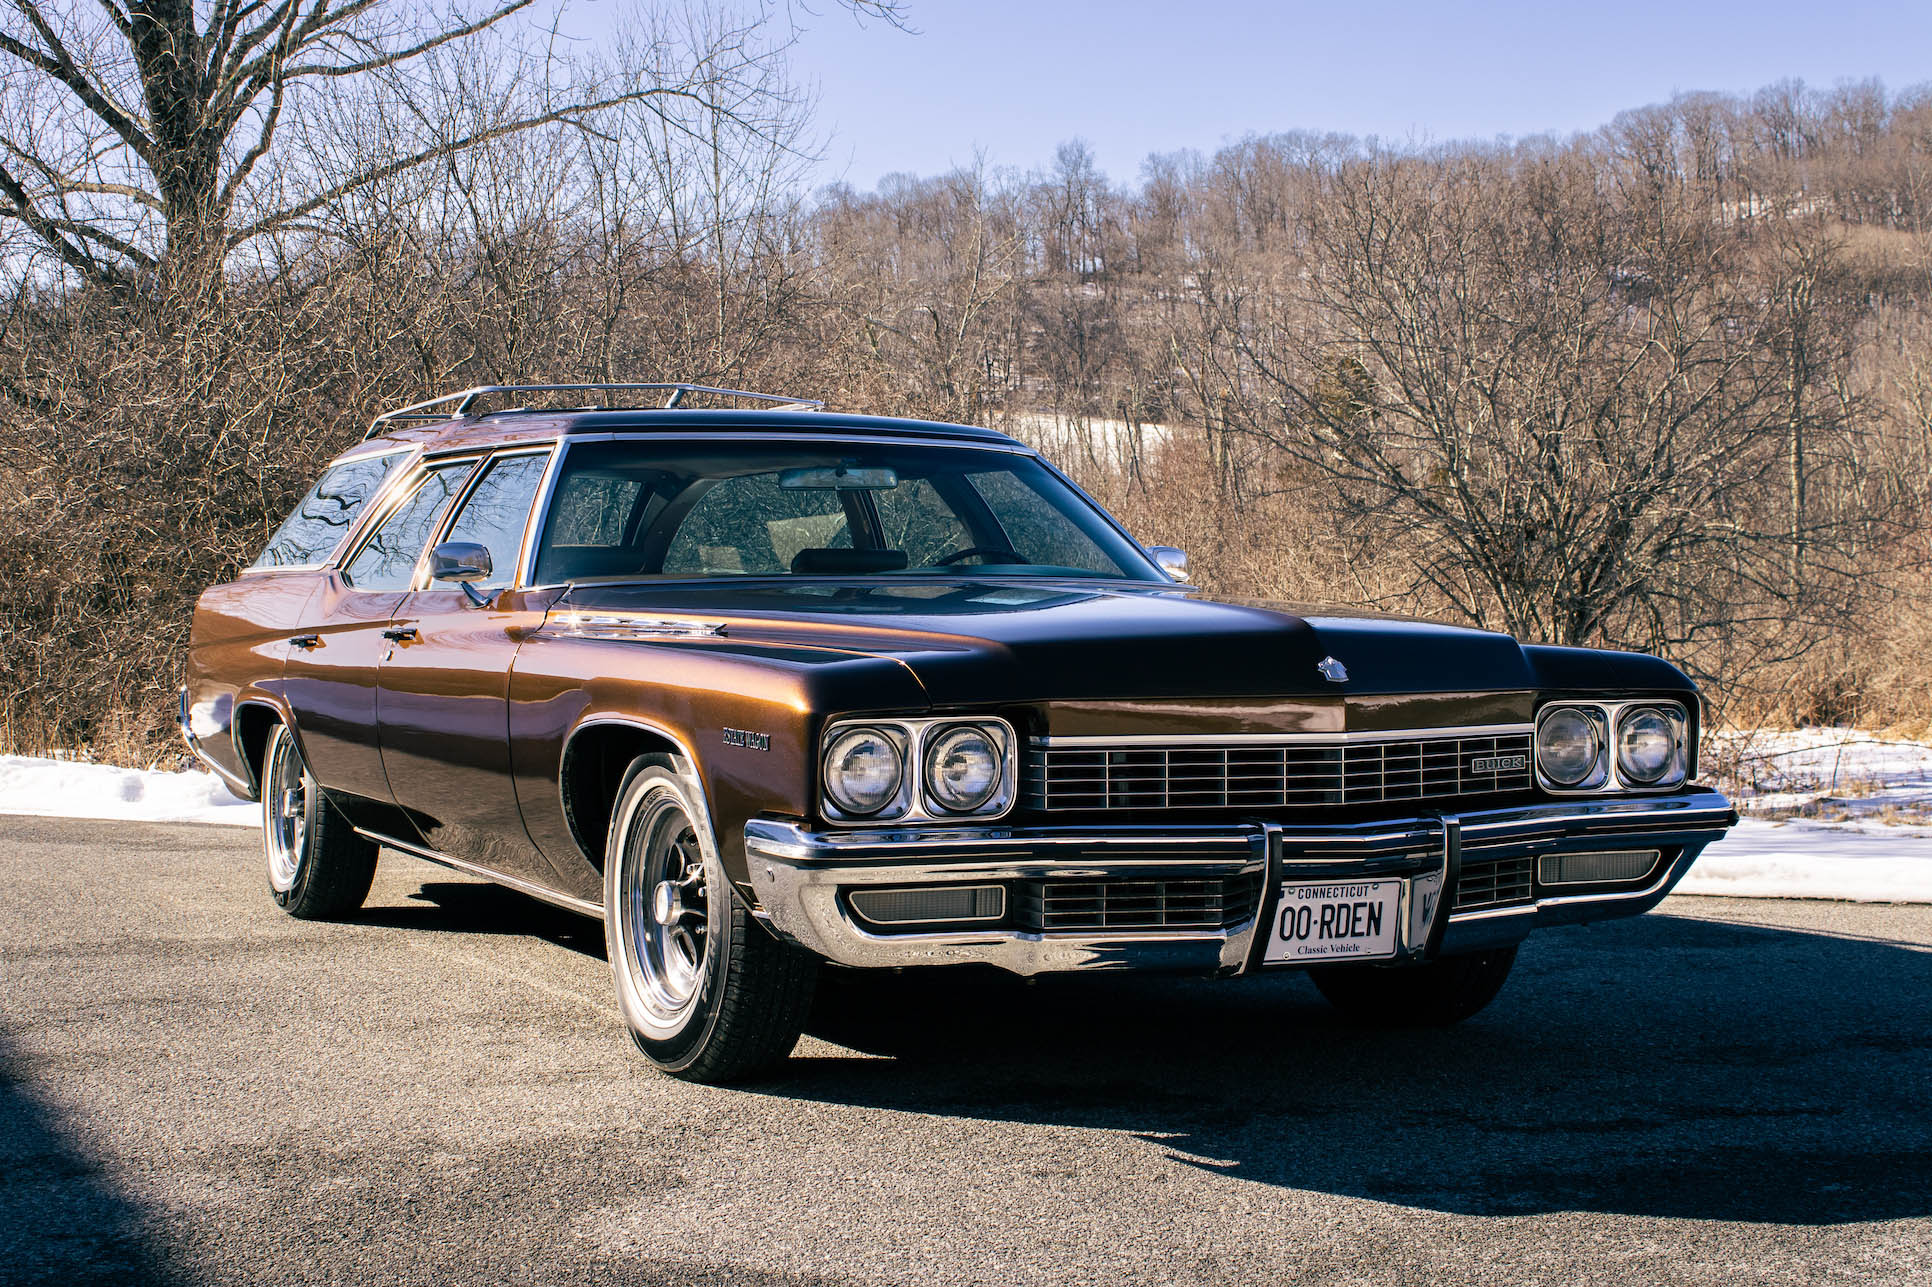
(975, 641)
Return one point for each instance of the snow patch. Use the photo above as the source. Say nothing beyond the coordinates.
(1868, 863)
(71, 789)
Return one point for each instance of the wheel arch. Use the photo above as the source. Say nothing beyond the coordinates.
(596, 755)
(253, 720)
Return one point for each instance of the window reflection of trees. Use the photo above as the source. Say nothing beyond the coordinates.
(326, 512)
(914, 517)
(388, 561)
(495, 513)
(751, 524)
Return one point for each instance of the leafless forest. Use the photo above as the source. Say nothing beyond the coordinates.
(1666, 386)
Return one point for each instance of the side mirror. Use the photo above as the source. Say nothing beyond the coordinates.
(1172, 561)
(460, 561)
(464, 562)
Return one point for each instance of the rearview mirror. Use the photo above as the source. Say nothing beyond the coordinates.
(1171, 560)
(844, 478)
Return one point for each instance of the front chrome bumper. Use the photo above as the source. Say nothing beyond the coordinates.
(799, 876)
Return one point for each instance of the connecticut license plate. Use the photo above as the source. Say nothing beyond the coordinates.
(1335, 921)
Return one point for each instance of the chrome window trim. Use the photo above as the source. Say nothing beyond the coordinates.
(484, 464)
(539, 516)
(546, 494)
(355, 528)
(1101, 741)
(417, 474)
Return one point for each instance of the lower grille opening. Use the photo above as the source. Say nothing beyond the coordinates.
(1499, 882)
(1064, 906)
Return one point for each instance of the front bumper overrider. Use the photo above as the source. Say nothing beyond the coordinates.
(800, 879)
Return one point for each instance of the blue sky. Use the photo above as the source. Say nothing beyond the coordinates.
(1016, 78)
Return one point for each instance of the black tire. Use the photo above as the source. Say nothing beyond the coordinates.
(318, 868)
(1442, 992)
(709, 994)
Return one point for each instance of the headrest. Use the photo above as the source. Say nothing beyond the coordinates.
(823, 562)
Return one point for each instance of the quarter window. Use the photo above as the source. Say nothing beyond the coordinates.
(387, 561)
(310, 534)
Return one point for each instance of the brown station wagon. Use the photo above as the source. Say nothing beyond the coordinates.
(764, 689)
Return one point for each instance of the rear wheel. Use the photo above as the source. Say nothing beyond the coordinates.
(1444, 991)
(708, 992)
(318, 868)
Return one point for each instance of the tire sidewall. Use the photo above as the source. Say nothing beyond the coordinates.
(676, 1046)
(282, 736)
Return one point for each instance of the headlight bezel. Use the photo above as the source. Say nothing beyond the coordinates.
(1597, 774)
(915, 800)
(835, 738)
(1610, 774)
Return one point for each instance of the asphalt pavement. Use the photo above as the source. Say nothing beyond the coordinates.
(196, 1088)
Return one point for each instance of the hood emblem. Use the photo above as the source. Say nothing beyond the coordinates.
(1333, 671)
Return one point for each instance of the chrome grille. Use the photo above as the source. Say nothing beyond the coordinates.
(1493, 884)
(1249, 775)
(1049, 906)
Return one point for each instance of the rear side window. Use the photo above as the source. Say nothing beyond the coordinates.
(309, 535)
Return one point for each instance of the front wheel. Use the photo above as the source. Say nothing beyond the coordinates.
(318, 867)
(709, 994)
(1442, 992)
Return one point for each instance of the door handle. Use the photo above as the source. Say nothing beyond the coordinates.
(400, 634)
(306, 641)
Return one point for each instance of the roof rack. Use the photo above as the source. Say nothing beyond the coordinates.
(465, 399)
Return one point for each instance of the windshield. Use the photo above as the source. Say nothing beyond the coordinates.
(635, 508)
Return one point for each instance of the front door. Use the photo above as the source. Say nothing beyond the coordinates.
(445, 687)
(331, 674)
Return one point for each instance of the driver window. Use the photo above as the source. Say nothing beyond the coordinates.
(387, 561)
(496, 511)
(749, 524)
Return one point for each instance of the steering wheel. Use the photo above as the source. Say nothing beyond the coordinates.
(983, 551)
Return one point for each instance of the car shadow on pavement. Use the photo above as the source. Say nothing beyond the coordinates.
(1662, 1066)
(473, 907)
(63, 1218)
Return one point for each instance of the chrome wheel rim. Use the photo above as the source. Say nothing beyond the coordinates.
(667, 904)
(285, 815)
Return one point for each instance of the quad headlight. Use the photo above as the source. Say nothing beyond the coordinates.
(963, 768)
(925, 769)
(864, 771)
(1612, 746)
(1650, 744)
(1570, 745)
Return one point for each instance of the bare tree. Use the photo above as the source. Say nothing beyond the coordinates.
(144, 135)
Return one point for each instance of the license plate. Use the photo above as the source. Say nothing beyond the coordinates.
(1335, 921)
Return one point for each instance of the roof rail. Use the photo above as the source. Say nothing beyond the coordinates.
(466, 398)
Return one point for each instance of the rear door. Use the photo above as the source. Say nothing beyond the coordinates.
(444, 702)
(331, 675)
